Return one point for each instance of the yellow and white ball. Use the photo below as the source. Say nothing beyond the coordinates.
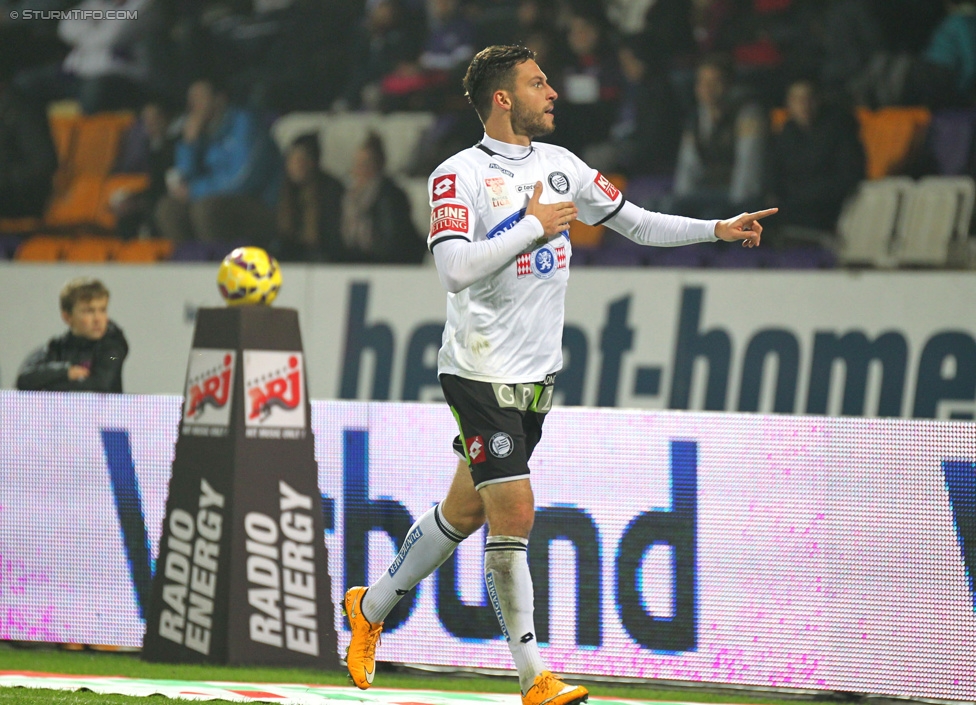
(249, 276)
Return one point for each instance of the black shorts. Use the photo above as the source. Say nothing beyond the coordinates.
(501, 425)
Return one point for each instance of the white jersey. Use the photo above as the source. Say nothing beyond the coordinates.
(507, 326)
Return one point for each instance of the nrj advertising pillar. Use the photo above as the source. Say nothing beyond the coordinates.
(242, 573)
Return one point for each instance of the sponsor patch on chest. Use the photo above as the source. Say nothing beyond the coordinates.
(498, 192)
(502, 169)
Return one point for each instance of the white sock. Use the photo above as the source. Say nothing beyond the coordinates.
(510, 589)
(430, 542)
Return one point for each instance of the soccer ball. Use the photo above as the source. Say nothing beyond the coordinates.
(247, 276)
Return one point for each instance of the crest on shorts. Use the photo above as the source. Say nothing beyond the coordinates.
(501, 445)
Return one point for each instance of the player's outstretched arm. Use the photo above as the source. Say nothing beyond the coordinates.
(745, 227)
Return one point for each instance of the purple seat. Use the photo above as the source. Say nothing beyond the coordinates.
(582, 256)
(647, 190)
(951, 140)
(194, 251)
(616, 250)
(803, 258)
(735, 256)
(8, 245)
(687, 256)
(616, 257)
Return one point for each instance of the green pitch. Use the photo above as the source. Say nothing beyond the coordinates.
(47, 660)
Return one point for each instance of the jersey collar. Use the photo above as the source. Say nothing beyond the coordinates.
(497, 148)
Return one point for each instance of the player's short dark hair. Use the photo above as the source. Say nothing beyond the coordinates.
(492, 69)
(79, 290)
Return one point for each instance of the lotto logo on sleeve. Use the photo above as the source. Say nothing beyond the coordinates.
(453, 218)
(603, 183)
(443, 187)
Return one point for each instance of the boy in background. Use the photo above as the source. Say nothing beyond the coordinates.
(89, 356)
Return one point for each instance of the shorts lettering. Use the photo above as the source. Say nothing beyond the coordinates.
(525, 397)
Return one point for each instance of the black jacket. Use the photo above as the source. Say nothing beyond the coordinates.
(395, 239)
(46, 369)
(812, 171)
(326, 191)
(27, 158)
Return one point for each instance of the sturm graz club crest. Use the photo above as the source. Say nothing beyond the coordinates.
(501, 445)
(559, 182)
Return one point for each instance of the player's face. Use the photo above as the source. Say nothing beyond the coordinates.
(88, 319)
(532, 102)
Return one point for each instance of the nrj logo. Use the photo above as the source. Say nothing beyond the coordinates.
(209, 383)
(274, 385)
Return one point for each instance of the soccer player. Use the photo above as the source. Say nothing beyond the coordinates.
(499, 219)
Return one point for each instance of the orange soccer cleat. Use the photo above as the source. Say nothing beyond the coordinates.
(549, 690)
(361, 654)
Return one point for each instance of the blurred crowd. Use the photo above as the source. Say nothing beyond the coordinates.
(684, 92)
